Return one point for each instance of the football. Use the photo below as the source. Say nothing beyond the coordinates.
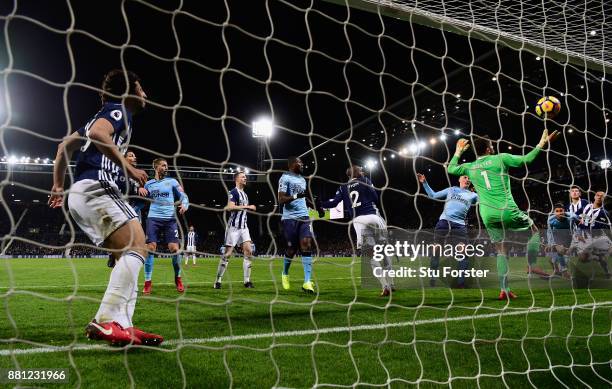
(548, 107)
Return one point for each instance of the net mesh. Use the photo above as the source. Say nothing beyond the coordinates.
(390, 88)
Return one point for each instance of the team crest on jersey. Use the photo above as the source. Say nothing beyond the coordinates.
(116, 114)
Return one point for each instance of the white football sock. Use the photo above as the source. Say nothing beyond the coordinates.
(221, 268)
(121, 288)
(246, 269)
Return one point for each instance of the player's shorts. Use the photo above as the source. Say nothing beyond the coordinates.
(594, 247)
(98, 209)
(236, 236)
(162, 230)
(371, 227)
(499, 222)
(295, 230)
(191, 249)
(450, 232)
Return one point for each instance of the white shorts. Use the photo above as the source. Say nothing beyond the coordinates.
(375, 226)
(191, 249)
(596, 248)
(98, 208)
(236, 236)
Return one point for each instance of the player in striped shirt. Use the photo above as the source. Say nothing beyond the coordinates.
(237, 231)
(191, 246)
(96, 204)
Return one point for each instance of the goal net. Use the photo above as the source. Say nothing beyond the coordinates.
(389, 86)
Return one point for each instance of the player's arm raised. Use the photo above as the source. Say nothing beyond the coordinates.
(453, 166)
(518, 160)
(101, 133)
(64, 153)
(430, 192)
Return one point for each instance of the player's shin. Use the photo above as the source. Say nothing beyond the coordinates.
(176, 265)
(307, 264)
(286, 265)
(533, 247)
(148, 266)
(502, 271)
(115, 305)
(246, 268)
(221, 268)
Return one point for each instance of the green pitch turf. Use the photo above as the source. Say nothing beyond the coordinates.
(345, 335)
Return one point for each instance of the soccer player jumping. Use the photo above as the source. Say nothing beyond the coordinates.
(498, 210)
(297, 227)
(96, 205)
(164, 191)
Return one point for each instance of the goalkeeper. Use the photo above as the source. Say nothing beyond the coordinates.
(498, 210)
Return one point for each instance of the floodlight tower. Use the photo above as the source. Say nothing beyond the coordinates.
(262, 131)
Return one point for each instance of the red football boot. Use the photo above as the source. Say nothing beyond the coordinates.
(112, 332)
(506, 295)
(147, 287)
(179, 284)
(147, 338)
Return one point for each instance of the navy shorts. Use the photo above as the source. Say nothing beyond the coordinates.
(295, 230)
(450, 232)
(162, 230)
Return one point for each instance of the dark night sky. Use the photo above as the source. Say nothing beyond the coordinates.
(227, 62)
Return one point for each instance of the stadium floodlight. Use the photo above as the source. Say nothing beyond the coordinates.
(433, 141)
(392, 155)
(458, 95)
(412, 148)
(370, 164)
(46, 160)
(604, 163)
(422, 145)
(457, 132)
(263, 128)
(443, 137)
(246, 171)
(12, 160)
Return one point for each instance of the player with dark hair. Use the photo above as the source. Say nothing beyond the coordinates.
(577, 203)
(498, 210)
(96, 205)
(295, 219)
(362, 199)
(164, 191)
(237, 231)
(559, 236)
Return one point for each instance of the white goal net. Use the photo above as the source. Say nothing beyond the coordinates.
(390, 86)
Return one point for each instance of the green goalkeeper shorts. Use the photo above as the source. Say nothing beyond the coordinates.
(499, 221)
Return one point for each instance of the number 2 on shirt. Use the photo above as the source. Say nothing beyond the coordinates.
(486, 178)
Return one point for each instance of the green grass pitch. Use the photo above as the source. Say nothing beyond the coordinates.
(267, 337)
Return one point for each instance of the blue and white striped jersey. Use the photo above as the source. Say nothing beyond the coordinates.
(91, 163)
(238, 219)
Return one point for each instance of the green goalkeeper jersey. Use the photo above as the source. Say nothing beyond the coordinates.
(489, 174)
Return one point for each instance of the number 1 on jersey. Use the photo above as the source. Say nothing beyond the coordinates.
(486, 178)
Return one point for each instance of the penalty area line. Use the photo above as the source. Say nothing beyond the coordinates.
(320, 331)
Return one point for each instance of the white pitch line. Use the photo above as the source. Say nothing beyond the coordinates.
(320, 331)
(187, 283)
